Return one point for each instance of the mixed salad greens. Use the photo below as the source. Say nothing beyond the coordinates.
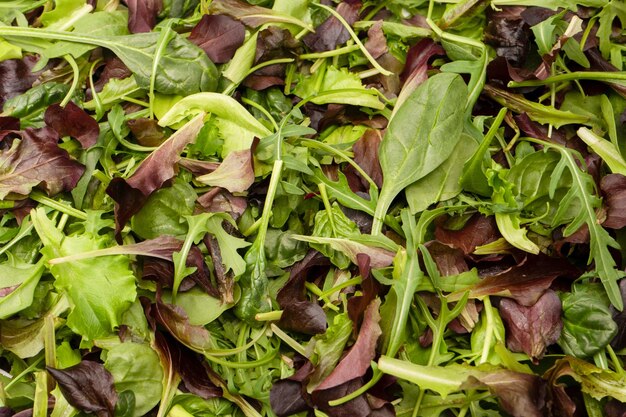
(334, 208)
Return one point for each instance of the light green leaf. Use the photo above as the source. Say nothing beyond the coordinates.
(348, 86)
(18, 285)
(605, 149)
(200, 307)
(99, 289)
(136, 367)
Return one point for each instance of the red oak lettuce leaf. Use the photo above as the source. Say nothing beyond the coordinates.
(8, 123)
(87, 386)
(219, 36)
(527, 281)
(417, 60)
(73, 121)
(532, 329)
(300, 314)
(131, 194)
(613, 188)
(16, 76)
(113, 68)
(478, 231)
(142, 14)
(619, 317)
(362, 405)
(376, 43)
(34, 160)
(175, 320)
(450, 261)
(357, 361)
(272, 43)
(287, 396)
(331, 32)
(218, 200)
(357, 305)
(146, 131)
(366, 155)
(249, 14)
(509, 34)
(162, 272)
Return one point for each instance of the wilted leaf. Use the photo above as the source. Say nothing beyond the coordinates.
(87, 386)
(36, 160)
(146, 131)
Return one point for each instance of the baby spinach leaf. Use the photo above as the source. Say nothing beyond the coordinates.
(588, 324)
(420, 137)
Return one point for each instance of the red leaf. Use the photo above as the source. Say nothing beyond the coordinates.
(357, 361)
(73, 121)
(532, 329)
(613, 187)
(478, 231)
(36, 160)
(219, 36)
(142, 14)
(331, 32)
(16, 77)
(87, 386)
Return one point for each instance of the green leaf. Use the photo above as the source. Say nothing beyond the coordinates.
(136, 367)
(614, 9)
(420, 137)
(340, 190)
(36, 99)
(588, 324)
(64, 13)
(18, 285)
(183, 68)
(200, 307)
(337, 85)
(605, 149)
(98, 299)
(443, 183)
(228, 244)
(164, 212)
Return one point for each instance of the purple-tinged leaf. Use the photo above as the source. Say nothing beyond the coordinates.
(417, 58)
(250, 15)
(198, 167)
(146, 131)
(16, 76)
(619, 317)
(357, 305)
(449, 260)
(218, 200)
(614, 408)
(526, 282)
(162, 272)
(286, 398)
(303, 317)
(357, 361)
(73, 121)
(478, 231)
(142, 14)
(376, 43)
(366, 155)
(131, 194)
(613, 188)
(509, 34)
(520, 395)
(113, 68)
(532, 329)
(6, 412)
(87, 386)
(235, 173)
(176, 321)
(36, 160)
(219, 36)
(331, 32)
(8, 123)
(356, 407)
